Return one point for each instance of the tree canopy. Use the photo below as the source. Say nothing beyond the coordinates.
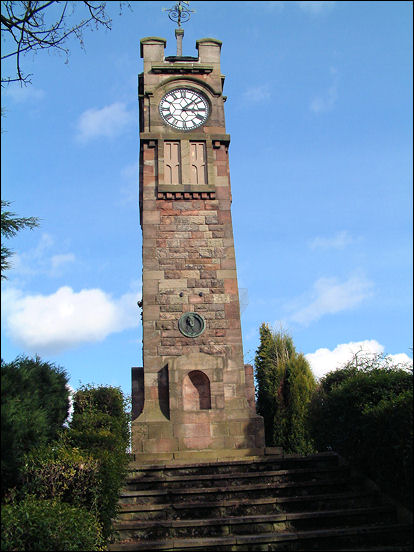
(34, 406)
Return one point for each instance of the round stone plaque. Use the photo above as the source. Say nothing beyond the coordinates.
(191, 324)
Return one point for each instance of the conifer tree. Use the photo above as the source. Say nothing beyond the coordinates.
(34, 406)
(285, 384)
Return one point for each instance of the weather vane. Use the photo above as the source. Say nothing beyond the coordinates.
(179, 13)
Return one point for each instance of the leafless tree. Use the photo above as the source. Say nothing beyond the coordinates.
(33, 26)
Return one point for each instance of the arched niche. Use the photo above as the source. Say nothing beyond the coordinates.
(196, 391)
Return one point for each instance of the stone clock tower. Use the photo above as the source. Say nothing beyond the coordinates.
(193, 400)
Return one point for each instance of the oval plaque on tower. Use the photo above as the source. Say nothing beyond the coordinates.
(191, 324)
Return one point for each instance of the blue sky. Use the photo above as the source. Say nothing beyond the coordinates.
(319, 111)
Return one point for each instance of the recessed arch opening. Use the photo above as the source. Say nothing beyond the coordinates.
(196, 391)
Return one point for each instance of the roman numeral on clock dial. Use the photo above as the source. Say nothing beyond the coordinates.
(184, 109)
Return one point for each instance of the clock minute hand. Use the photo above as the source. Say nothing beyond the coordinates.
(185, 108)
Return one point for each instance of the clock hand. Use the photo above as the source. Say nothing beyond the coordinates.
(186, 106)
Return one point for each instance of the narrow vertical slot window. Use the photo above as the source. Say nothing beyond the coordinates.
(198, 163)
(172, 163)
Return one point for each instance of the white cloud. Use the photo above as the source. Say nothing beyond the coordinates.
(70, 413)
(57, 261)
(109, 121)
(327, 100)
(65, 319)
(323, 361)
(270, 6)
(22, 94)
(257, 93)
(39, 260)
(315, 7)
(338, 241)
(329, 296)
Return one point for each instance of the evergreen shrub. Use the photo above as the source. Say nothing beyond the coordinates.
(100, 427)
(285, 385)
(58, 471)
(364, 413)
(34, 407)
(37, 524)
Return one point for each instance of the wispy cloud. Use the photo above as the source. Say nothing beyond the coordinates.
(326, 101)
(24, 94)
(109, 121)
(40, 261)
(270, 5)
(339, 241)
(59, 261)
(330, 296)
(315, 7)
(65, 319)
(257, 94)
(324, 360)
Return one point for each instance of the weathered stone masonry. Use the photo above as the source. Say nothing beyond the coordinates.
(196, 396)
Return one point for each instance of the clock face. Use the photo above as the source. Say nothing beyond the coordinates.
(184, 109)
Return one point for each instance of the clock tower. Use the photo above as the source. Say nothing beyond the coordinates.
(193, 400)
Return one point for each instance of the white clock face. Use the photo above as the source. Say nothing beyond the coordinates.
(184, 109)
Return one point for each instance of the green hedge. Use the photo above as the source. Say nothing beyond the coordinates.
(34, 406)
(64, 473)
(100, 427)
(365, 414)
(68, 489)
(38, 524)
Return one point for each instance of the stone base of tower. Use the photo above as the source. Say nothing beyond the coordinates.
(203, 412)
(208, 440)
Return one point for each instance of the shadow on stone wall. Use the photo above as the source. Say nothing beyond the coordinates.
(163, 391)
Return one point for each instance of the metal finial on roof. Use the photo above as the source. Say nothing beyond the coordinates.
(179, 13)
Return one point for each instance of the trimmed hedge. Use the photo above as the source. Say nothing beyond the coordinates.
(64, 473)
(365, 413)
(100, 427)
(38, 524)
(68, 489)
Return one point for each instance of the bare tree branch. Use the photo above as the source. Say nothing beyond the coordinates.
(34, 25)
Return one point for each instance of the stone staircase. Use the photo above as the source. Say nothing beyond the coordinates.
(260, 503)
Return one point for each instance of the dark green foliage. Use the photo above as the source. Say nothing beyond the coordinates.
(38, 524)
(100, 427)
(10, 225)
(58, 471)
(285, 384)
(34, 406)
(300, 385)
(69, 478)
(364, 412)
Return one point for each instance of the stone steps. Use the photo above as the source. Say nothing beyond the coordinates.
(199, 494)
(251, 525)
(270, 503)
(326, 539)
(225, 508)
(252, 464)
(235, 478)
